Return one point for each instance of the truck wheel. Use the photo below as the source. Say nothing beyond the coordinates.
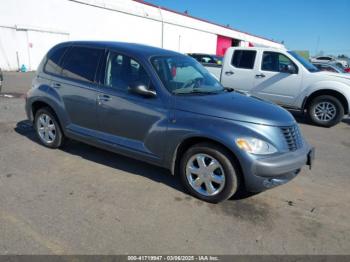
(325, 111)
(47, 128)
(208, 172)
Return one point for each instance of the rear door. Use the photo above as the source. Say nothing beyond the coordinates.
(239, 71)
(78, 87)
(274, 81)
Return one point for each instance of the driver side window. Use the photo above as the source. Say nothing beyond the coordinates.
(122, 71)
(277, 62)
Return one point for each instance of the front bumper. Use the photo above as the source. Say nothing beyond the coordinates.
(273, 171)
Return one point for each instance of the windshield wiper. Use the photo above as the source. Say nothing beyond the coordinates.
(195, 91)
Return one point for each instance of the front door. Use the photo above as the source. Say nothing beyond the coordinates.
(126, 120)
(278, 79)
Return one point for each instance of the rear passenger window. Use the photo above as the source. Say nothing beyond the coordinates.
(81, 63)
(244, 59)
(53, 62)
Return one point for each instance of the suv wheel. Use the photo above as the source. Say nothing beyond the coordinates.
(47, 128)
(208, 173)
(325, 111)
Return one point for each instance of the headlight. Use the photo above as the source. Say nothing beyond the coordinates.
(255, 146)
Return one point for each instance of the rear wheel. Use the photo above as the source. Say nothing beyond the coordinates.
(208, 173)
(47, 128)
(325, 111)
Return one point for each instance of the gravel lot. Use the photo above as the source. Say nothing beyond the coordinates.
(83, 200)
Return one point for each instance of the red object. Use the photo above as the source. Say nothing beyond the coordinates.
(173, 71)
(223, 43)
(251, 44)
(347, 70)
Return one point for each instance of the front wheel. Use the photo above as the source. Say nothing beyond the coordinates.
(209, 173)
(325, 111)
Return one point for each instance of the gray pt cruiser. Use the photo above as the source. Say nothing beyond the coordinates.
(164, 108)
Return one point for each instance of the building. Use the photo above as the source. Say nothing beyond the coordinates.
(28, 28)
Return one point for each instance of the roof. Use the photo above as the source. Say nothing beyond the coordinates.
(138, 50)
(201, 19)
(257, 48)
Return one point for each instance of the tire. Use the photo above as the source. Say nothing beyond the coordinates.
(332, 106)
(43, 128)
(227, 171)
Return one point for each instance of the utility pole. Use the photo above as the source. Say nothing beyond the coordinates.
(317, 45)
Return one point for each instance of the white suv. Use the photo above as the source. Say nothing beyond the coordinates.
(287, 79)
(328, 59)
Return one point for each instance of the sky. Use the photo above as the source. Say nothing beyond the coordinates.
(314, 25)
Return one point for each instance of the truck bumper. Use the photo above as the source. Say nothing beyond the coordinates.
(273, 171)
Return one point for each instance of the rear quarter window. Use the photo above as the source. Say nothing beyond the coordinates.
(244, 59)
(80, 63)
(54, 59)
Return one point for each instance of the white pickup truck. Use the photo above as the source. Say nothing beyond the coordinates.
(287, 79)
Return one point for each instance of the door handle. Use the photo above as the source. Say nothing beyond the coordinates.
(228, 73)
(260, 75)
(103, 98)
(56, 85)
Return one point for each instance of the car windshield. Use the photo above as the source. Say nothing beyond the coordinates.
(310, 67)
(184, 75)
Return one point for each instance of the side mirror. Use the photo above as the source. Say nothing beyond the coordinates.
(141, 89)
(291, 69)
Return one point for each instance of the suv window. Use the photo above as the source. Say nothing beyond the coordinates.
(207, 59)
(122, 70)
(244, 59)
(324, 58)
(53, 65)
(81, 63)
(276, 62)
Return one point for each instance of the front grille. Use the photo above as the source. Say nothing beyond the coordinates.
(292, 136)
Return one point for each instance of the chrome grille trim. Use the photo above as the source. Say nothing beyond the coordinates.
(292, 137)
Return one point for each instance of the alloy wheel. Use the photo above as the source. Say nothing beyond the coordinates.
(205, 174)
(46, 128)
(325, 111)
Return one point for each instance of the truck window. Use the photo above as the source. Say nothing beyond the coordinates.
(244, 59)
(122, 70)
(276, 62)
(53, 61)
(81, 63)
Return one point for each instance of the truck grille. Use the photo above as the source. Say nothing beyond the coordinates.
(292, 136)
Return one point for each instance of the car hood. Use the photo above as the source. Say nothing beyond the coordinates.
(236, 106)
